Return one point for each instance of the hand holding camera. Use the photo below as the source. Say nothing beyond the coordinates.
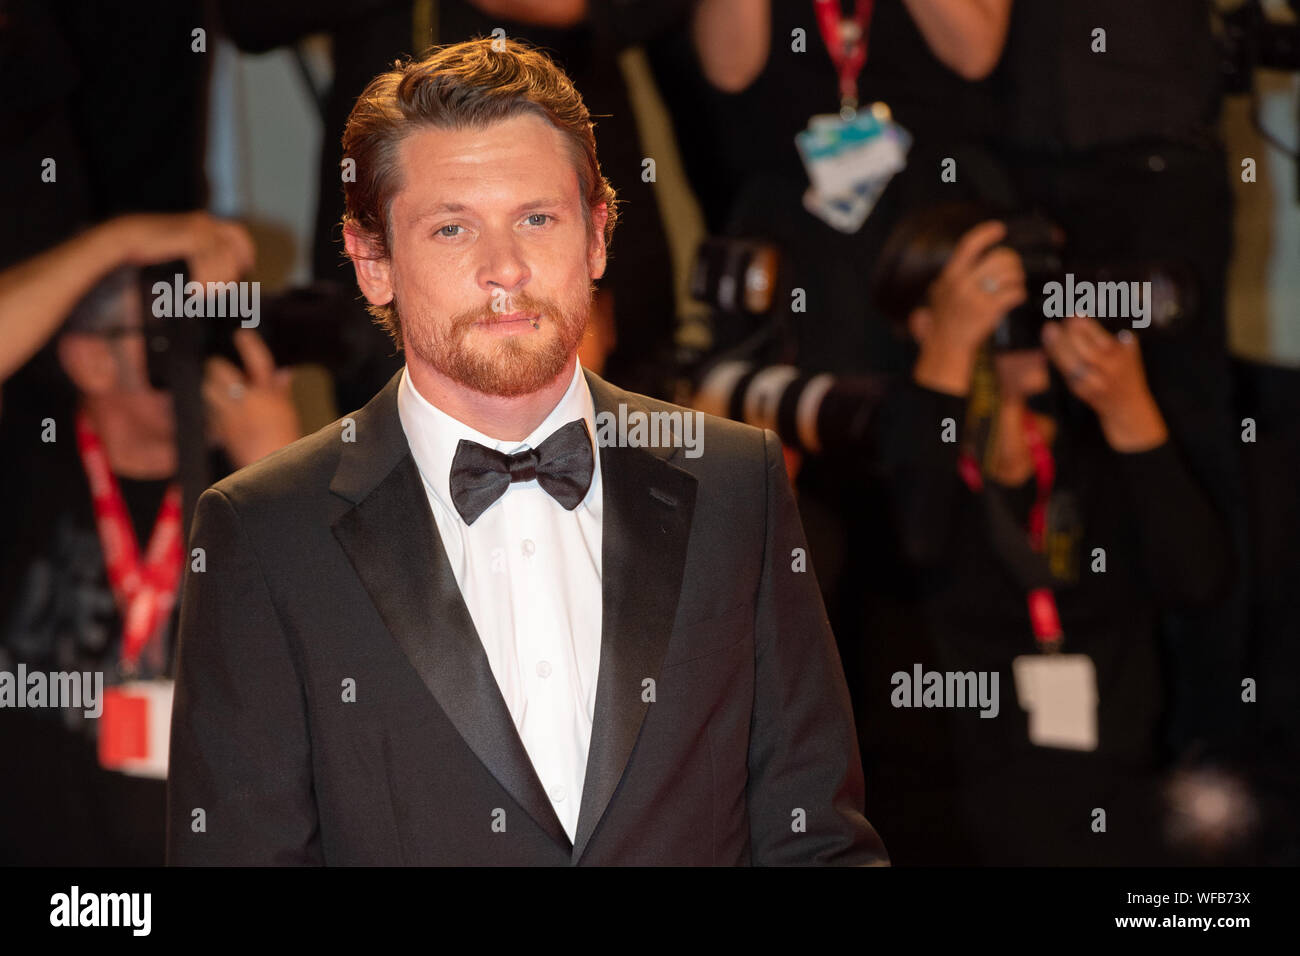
(1106, 372)
(976, 288)
(215, 250)
(251, 412)
(957, 281)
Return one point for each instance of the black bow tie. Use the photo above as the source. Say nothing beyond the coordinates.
(562, 465)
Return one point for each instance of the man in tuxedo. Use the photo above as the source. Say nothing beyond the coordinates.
(468, 625)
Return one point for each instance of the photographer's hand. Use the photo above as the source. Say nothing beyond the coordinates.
(216, 250)
(1107, 373)
(37, 294)
(977, 287)
(250, 415)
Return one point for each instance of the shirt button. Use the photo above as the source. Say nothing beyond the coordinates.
(557, 793)
(543, 668)
(529, 547)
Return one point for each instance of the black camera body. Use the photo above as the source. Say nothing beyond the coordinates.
(316, 324)
(1249, 40)
(1144, 296)
(1148, 295)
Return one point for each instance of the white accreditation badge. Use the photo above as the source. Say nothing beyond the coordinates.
(1059, 693)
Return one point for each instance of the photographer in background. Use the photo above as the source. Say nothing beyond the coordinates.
(72, 599)
(1111, 127)
(1043, 538)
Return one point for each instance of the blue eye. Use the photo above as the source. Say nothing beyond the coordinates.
(452, 225)
(541, 215)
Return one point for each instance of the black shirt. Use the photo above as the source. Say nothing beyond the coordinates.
(739, 152)
(58, 613)
(57, 609)
(728, 139)
(1163, 544)
(1158, 79)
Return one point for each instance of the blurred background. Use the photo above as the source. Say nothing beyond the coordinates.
(1153, 142)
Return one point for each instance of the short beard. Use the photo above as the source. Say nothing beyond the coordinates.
(512, 366)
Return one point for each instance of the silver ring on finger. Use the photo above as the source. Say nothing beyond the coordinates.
(236, 391)
(989, 285)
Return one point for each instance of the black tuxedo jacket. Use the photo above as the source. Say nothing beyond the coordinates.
(334, 704)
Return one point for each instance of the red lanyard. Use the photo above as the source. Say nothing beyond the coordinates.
(145, 592)
(1043, 616)
(846, 41)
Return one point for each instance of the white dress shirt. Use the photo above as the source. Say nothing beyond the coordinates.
(529, 572)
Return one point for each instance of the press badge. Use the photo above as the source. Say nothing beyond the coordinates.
(1059, 693)
(850, 160)
(135, 728)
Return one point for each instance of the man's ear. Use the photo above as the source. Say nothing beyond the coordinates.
(88, 361)
(596, 248)
(374, 273)
(920, 322)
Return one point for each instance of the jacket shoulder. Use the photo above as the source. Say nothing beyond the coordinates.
(717, 440)
(300, 468)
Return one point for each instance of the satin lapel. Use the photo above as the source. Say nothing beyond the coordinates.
(393, 543)
(647, 508)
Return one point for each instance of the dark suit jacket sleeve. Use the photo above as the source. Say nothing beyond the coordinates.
(239, 743)
(805, 787)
